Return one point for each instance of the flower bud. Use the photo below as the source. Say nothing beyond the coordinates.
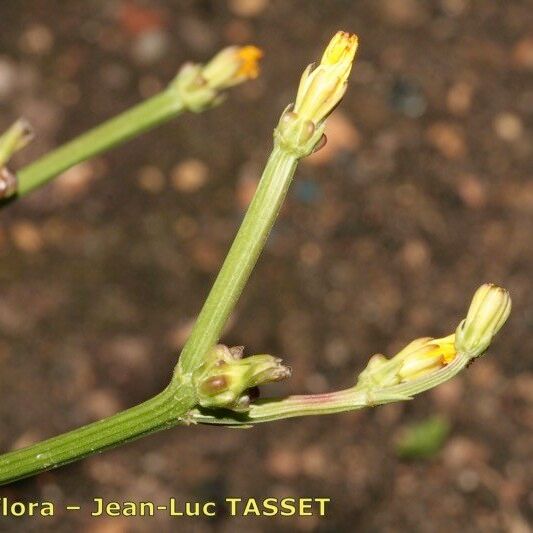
(200, 86)
(322, 87)
(378, 372)
(8, 183)
(488, 312)
(14, 139)
(425, 357)
(224, 378)
(232, 66)
(419, 357)
(411, 347)
(301, 126)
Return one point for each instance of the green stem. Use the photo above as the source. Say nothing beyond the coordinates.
(163, 411)
(241, 258)
(132, 122)
(173, 405)
(350, 399)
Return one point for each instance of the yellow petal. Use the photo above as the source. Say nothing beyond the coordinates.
(342, 47)
(249, 56)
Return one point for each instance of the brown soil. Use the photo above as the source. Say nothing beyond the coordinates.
(421, 196)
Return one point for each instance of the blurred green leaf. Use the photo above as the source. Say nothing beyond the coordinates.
(424, 439)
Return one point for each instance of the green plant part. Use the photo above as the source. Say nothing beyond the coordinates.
(424, 439)
(423, 364)
(195, 88)
(224, 378)
(211, 383)
(489, 311)
(175, 404)
(13, 140)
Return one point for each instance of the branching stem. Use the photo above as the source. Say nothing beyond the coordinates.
(138, 119)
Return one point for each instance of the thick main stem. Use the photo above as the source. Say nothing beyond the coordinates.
(172, 405)
(146, 115)
(162, 411)
(241, 258)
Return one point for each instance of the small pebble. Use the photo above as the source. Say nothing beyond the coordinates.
(310, 253)
(247, 184)
(186, 227)
(248, 8)
(508, 127)
(150, 46)
(283, 464)
(8, 78)
(26, 236)
(459, 98)
(454, 8)
(448, 139)
(196, 33)
(151, 179)
(75, 182)
(468, 480)
(149, 85)
(472, 191)
(314, 462)
(522, 54)
(403, 12)
(189, 176)
(101, 403)
(461, 451)
(37, 39)
(416, 255)
(337, 352)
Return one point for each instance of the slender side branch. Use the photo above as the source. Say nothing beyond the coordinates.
(133, 122)
(423, 364)
(350, 399)
(300, 131)
(195, 88)
(241, 258)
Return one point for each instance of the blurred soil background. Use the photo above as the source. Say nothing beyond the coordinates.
(420, 196)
